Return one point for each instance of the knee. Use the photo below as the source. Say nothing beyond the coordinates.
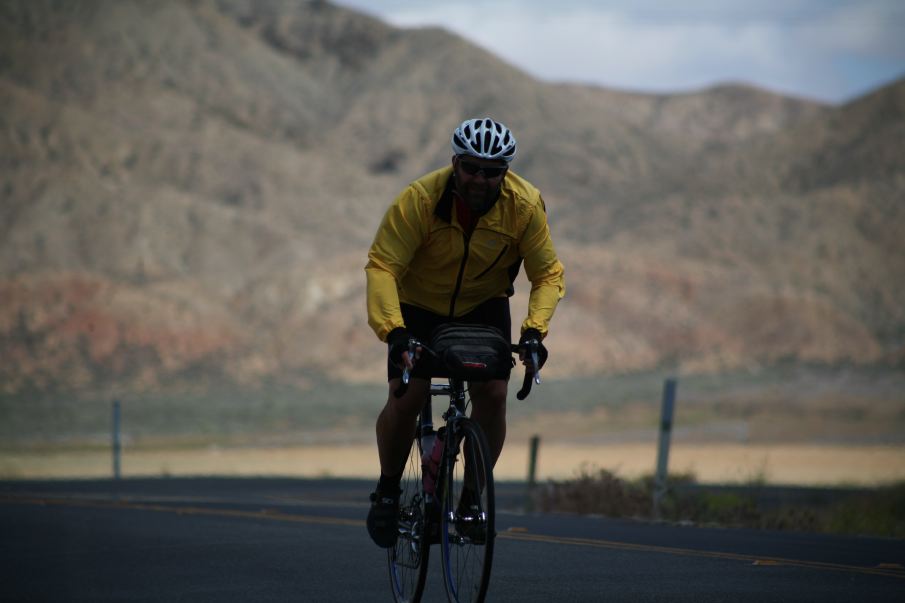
(498, 390)
(491, 393)
(411, 403)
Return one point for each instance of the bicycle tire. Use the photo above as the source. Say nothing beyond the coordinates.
(407, 560)
(467, 535)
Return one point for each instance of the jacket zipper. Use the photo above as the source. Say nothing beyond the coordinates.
(492, 264)
(452, 302)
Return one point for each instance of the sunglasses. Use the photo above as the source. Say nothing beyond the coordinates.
(489, 171)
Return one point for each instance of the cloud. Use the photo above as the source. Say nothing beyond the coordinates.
(825, 49)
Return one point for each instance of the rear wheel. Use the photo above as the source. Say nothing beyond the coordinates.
(408, 558)
(467, 516)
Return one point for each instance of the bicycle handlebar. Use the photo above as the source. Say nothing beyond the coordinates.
(532, 373)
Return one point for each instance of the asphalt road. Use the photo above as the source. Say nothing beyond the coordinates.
(304, 540)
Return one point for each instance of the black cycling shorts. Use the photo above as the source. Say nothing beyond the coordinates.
(420, 323)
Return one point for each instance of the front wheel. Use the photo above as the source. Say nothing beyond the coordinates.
(467, 512)
(407, 560)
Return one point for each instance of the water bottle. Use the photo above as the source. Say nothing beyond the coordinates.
(430, 464)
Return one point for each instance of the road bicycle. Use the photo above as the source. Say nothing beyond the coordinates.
(454, 509)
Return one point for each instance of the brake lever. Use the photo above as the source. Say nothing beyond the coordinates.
(406, 372)
(535, 363)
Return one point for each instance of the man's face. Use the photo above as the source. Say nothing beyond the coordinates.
(478, 181)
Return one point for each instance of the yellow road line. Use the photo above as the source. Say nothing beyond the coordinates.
(516, 534)
(649, 548)
(124, 504)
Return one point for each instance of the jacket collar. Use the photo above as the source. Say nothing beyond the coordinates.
(492, 219)
(445, 205)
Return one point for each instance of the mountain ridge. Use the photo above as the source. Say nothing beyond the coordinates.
(193, 187)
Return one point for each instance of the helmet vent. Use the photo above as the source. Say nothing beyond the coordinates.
(484, 138)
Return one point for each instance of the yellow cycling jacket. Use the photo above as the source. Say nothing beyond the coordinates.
(422, 256)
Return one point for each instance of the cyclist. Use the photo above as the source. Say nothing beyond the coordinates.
(448, 250)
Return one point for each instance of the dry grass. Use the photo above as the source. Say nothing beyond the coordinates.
(722, 463)
(716, 463)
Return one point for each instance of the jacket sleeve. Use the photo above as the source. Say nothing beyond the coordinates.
(401, 232)
(543, 269)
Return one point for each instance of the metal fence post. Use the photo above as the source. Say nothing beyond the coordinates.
(117, 442)
(666, 414)
(532, 473)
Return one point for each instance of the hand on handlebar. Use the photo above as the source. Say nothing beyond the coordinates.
(532, 352)
(533, 355)
(404, 350)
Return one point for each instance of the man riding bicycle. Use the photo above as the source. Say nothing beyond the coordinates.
(448, 250)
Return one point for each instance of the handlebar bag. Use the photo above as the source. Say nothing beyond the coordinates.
(472, 352)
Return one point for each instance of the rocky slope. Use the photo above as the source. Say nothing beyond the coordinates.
(189, 189)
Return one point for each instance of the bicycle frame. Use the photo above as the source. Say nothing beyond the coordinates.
(456, 392)
(435, 514)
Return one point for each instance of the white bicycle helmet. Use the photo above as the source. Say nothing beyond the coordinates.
(484, 138)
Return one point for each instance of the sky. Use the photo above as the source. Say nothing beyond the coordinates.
(827, 50)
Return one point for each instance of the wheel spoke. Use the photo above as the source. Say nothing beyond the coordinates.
(468, 517)
(407, 560)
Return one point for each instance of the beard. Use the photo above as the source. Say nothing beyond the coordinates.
(479, 197)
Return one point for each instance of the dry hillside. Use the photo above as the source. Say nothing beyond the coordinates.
(188, 190)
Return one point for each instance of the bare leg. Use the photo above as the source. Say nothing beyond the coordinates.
(396, 425)
(489, 411)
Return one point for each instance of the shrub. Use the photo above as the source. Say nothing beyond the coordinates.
(595, 491)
